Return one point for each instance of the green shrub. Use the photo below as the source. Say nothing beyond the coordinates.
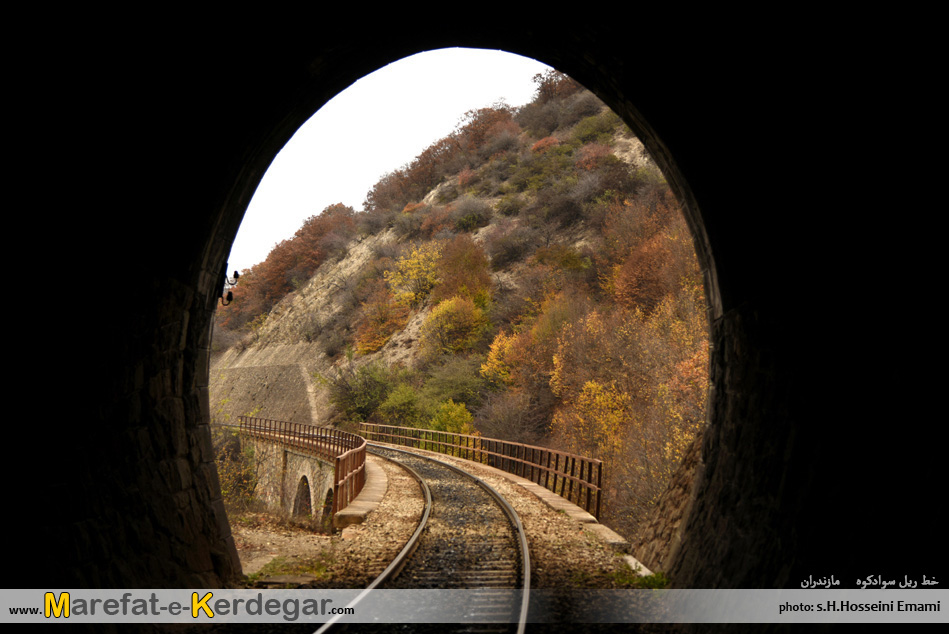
(537, 170)
(470, 213)
(509, 205)
(597, 129)
(372, 222)
(630, 579)
(505, 141)
(452, 417)
(455, 325)
(404, 407)
(409, 224)
(500, 168)
(358, 392)
(236, 468)
(579, 106)
(457, 378)
(540, 119)
(333, 342)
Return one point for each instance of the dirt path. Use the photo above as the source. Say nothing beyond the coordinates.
(260, 538)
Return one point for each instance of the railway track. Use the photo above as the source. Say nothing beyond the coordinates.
(469, 537)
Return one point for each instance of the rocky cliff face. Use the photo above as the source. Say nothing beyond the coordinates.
(275, 374)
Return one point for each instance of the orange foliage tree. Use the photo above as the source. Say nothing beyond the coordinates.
(552, 84)
(545, 144)
(382, 316)
(658, 362)
(592, 155)
(477, 127)
(289, 265)
(464, 272)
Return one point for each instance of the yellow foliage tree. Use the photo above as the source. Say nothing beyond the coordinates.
(452, 417)
(416, 274)
(497, 367)
(594, 424)
(453, 326)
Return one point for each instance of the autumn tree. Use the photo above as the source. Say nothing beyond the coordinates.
(545, 144)
(416, 274)
(645, 276)
(553, 84)
(656, 366)
(452, 417)
(464, 272)
(289, 265)
(499, 367)
(437, 220)
(381, 317)
(479, 126)
(594, 424)
(453, 326)
(592, 155)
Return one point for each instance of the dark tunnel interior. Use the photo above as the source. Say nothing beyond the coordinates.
(821, 457)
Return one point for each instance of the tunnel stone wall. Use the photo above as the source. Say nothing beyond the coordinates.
(821, 418)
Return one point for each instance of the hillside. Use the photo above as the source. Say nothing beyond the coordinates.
(528, 277)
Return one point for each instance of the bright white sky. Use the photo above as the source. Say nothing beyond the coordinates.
(377, 125)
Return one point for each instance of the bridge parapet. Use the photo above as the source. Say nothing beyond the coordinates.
(575, 478)
(346, 451)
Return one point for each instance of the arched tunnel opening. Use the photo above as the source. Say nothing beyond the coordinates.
(598, 210)
(800, 469)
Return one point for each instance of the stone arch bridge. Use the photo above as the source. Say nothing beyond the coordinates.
(302, 469)
(292, 481)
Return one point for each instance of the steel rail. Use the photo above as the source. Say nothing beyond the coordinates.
(402, 558)
(411, 545)
(512, 517)
(399, 561)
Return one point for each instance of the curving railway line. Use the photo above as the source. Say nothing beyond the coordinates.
(469, 537)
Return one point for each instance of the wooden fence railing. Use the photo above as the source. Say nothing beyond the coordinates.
(573, 477)
(345, 450)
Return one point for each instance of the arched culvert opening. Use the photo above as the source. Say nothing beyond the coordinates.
(326, 518)
(302, 505)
